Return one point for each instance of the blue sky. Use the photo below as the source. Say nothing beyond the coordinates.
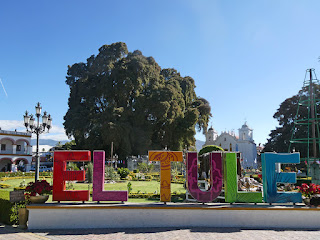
(246, 56)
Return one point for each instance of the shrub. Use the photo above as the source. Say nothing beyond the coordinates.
(2, 185)
(129, 187)
(145, 168)
(9, 212)
(210, 148)
(111, 174)
(148, 177)
(89, 172)
(123, 172)
(72, 166)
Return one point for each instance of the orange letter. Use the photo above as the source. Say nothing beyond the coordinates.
(165, 159)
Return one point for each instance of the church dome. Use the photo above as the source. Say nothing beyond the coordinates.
(245, 125)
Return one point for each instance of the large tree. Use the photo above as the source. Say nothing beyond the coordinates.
(126, 98)
(286, 114)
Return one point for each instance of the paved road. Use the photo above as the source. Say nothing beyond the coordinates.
(11, 233)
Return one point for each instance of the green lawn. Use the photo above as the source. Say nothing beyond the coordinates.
(16, 182)
(137, 186)
(142, 186)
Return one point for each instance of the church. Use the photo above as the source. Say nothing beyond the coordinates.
(230, 142)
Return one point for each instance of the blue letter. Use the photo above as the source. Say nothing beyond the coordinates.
(271, 177)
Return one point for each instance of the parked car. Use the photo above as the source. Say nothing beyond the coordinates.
(41, 169)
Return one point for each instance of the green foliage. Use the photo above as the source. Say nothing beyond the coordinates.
(210, 148)
(24, 174)
(72, 166)
(89, 172)
(145, 168)
(9, 212)
(126, 98)
(69, 185)
(123, 172)
(2, 185)
(174, 173)
(175, 197)
(111, 174)
(4, 195)
(280, 137)
(69, 145)
(129, 187)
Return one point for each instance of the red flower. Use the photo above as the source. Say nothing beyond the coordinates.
(309, 190)
(38, 187)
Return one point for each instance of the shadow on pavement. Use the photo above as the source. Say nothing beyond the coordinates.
(6, 229)
(10, 229)
(152, 230)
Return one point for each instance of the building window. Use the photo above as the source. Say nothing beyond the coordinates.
(225, 139)
(3, 147)
(18, 147)
(230, 147)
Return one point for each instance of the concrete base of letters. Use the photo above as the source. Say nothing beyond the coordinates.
(184, 215)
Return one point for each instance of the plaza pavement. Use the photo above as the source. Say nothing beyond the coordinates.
(13, 233)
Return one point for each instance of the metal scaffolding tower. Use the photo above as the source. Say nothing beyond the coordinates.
(308, 122)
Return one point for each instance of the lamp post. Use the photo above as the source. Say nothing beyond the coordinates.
(37, 128)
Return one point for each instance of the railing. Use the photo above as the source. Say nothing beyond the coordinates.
(10, 152)
(15, 133)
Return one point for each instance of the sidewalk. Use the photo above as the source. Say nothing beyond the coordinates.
(13, 233)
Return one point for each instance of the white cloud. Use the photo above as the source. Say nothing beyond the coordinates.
(56, 133)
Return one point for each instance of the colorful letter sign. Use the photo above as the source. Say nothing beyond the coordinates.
(165, 159)
(231, 183)
(271, 177)
(215, 177)
(60, 175)
(98, 181)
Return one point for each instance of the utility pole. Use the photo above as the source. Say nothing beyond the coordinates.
(111, 157)
(313, 127)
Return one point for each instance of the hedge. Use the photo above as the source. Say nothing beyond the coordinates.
(2, 185)
(152, 196)
(22, 174)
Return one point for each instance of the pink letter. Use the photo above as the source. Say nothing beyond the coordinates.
(215, 177)
(98, 181)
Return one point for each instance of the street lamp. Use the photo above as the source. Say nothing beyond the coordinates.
(37, 128)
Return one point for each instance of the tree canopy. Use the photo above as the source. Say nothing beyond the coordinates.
(280, 137)
(126, 98)
(210, 148)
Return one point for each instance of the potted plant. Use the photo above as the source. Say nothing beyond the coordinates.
(37, 192)
(310, 193)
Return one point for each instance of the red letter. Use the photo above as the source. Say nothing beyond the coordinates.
(60, 175)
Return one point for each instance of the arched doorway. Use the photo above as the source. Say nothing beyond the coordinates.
(5, 164)
(21, 164)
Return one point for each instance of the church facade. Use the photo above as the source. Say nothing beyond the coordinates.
(230, 142)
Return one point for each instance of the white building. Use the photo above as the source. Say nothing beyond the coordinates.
(15, 151)
(230, 142)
